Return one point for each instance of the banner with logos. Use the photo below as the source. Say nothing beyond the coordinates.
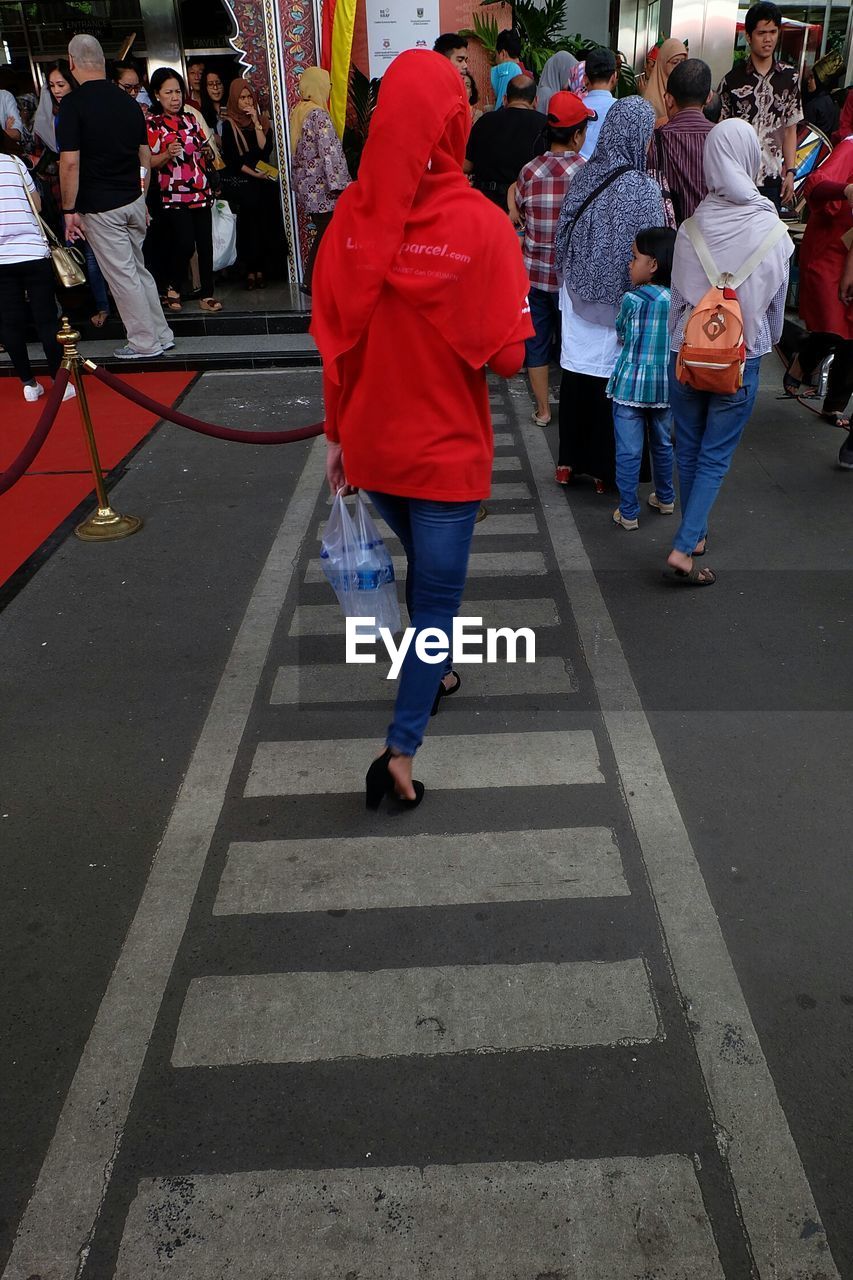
(395, 25)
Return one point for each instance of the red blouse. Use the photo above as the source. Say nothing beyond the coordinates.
(183, 181)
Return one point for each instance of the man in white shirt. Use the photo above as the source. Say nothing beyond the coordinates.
(601, 81)
(10, 116)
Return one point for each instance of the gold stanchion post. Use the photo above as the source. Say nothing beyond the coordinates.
(105, 525)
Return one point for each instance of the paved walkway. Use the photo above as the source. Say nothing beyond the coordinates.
(500, 1036)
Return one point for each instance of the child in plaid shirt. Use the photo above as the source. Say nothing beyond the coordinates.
(639, 386)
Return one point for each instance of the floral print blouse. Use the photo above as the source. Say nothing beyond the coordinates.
(320, 171)
(183, 181)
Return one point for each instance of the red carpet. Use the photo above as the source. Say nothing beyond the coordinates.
(38, 503)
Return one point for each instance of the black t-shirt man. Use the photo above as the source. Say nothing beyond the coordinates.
(107, 127)
(500, 145)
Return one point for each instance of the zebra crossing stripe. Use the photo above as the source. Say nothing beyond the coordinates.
(338, 683)
(327, 619)
(511, 524)
(361, 874)
(611, 1219)
(481, 564)
(508, 490)
(393, 1013)
(506, 463)
(450, 761)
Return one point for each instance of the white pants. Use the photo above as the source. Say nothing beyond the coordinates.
(117, 237)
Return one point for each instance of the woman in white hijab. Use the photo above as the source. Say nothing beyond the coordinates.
(736, 223)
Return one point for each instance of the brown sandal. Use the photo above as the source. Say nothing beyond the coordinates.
(693, 577)
(209, 304)
(171, 301)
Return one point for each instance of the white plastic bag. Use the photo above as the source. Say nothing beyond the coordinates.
(224, 235)
(357, 564)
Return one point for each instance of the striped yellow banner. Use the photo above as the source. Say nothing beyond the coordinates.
(342, 29)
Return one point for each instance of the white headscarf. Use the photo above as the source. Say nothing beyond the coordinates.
(554, 77)
(734, 220)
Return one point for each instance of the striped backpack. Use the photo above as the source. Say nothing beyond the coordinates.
(713, 353)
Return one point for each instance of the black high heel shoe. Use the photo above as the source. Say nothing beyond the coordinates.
(445, 693)
(380, 782)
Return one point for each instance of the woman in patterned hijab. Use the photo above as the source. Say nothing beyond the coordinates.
(610, 200)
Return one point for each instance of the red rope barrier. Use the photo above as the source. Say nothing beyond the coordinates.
(41, 431)
(195, 424)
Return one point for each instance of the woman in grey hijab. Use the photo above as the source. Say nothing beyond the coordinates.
(610, 200)
(555, 76)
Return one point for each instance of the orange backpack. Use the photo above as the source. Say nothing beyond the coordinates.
(713, 352)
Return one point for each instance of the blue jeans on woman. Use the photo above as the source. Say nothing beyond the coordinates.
(436, 538)
(707, 430)
(629, 424)
(95, 279)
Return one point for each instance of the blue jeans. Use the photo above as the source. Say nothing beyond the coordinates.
(629, 424)
(436, 537)
(707, 431)
(96, 281)
(545, 314)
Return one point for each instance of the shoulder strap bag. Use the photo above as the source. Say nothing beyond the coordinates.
(602, 186)
(67, 263)
(734, 279)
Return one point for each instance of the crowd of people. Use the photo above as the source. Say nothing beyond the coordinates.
(146, 178)
(638, 239)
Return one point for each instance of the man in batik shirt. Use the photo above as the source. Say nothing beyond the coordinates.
(767, 95)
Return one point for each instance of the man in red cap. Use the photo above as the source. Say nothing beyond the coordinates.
(534, 204)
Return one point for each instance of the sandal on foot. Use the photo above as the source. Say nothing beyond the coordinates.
(836, 419)
(209, 304)
(791, 387)
(539, 420)
(693, 577)
(704, 549)
(100, 318)
(445, 693)
(171, 301)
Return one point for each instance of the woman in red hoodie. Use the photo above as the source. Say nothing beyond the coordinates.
(419, 284)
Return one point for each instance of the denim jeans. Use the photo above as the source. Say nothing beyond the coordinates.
(707, 430)
(95, 278)
(629, 425)
(436, 537)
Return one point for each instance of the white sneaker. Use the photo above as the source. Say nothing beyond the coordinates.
(130, 353)
(70, 392)
(33, 391)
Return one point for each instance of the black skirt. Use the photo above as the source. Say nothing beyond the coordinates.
(587, 443)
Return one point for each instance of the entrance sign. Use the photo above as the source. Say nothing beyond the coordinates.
(395, 25)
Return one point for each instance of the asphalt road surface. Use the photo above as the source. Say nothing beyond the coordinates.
(585, 1013)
